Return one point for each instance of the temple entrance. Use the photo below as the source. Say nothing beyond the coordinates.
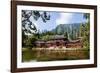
(58, 43)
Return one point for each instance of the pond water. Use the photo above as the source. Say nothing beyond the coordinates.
(52, 55)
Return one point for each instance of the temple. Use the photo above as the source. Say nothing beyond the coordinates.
(59, 41)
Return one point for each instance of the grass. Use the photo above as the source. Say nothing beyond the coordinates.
(53, 55)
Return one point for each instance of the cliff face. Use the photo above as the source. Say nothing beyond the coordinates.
(71, 29)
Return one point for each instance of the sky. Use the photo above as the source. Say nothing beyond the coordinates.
(58, 18)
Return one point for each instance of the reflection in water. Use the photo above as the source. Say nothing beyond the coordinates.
(34, 55)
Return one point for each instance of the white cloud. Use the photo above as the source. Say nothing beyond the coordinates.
(64, 18)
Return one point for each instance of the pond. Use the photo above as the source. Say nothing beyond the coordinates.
(35, 55)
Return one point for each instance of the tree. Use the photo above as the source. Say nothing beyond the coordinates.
(85, 31)
(86, 16)
(30, 41)
(66, 35)
(24, 38)
(27, 25)
(46, 37)
(72, 33)
(82, 29)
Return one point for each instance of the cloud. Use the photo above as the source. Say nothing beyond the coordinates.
(64, 18)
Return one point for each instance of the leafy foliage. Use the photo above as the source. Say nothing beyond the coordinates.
(27, 25)
(85, 32)
(66, 35)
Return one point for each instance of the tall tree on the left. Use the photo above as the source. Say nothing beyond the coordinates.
(28, 26)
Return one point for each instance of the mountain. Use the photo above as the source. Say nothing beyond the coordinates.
(71, 29)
